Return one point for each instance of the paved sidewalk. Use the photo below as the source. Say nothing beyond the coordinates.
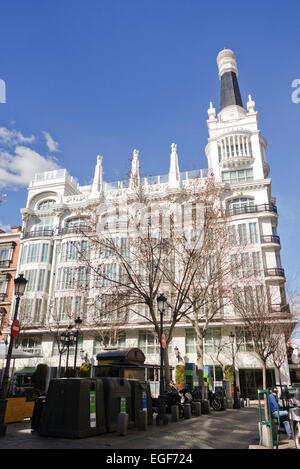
(231, 429)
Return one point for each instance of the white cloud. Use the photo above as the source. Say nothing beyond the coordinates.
(18, 168)
(13, 137)
(50, 142)
(5, 228)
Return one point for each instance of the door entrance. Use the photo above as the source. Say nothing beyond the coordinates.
(251, 380)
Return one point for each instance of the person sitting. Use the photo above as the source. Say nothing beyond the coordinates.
(283, 414)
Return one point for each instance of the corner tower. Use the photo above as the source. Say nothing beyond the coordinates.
(235, 149)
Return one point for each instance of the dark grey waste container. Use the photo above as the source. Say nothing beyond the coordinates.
(74, 408)
(116, 391)
(138, 387)
(38, 410)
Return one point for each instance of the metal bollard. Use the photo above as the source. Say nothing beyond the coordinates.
(187, 411)
(143, 420)
(175, 413)
(248, 402)
(205, 407)
(197, 409)
(122, 424)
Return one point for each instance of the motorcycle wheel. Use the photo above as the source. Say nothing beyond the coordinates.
(297, 435)
(216, 405)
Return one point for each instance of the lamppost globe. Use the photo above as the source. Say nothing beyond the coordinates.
(20, 285)
(161, 300)
(231, 337)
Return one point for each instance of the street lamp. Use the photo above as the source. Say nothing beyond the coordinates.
(68, 341)
(236, 403)
(161, 417)
(78, 322)
(20, 285)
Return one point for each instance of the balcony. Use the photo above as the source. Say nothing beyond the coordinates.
(280, 308)
(273, 239)
(277, 272)
(38, 234)
(5, 263)
(74, 230)
(251, 209)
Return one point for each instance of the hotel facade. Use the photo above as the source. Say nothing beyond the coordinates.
(236, 155)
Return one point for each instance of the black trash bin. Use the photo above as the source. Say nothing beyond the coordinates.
(38, 409)
(139, 399)
(74, 408)
(114, 390)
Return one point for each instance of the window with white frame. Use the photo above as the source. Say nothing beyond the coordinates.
(109, 340)
(148, 343)
(244, 340)
(46, 204)
(239, 175)
(31, 344)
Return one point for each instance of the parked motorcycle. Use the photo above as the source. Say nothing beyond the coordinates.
(187, 398)
(214, 402)
(172, 398)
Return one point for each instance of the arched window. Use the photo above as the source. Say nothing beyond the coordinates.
(46, 204)
(240, 202)
(74, 222)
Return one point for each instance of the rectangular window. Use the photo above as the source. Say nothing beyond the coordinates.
(245, 264)
(24, 255)
(232, 235)
(41, 280)
(148, 343)
(37, 311)
(256, 263)
(242, 233)
(240, 175)
(235, 268)
(31, 275)
(190, 341)
(253, 233)
(212, 340)
(33, 253)
(44, 256)
(244, 340)
(260, 298)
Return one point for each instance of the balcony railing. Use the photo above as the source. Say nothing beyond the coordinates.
(251, 209)
(38, 234)
(74, 229)
(280, 308)
(277, 272)
(5, 263)
(270, 239)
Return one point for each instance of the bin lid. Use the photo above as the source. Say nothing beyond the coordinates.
(122, 355)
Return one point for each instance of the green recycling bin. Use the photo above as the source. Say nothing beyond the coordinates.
(117, 398)
(74, 408)
(141, 398)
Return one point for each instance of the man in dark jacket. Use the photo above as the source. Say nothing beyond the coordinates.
(283, 414)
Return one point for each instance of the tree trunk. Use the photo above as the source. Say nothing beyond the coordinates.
(166, 367)
(200, 363)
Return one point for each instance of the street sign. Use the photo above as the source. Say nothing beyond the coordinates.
(163, 341)
(15, 328)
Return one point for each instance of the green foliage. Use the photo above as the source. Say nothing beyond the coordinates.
(85, 370)
(179, 375)
(228, 373)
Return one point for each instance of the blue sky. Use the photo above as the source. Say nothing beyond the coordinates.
(107, 76)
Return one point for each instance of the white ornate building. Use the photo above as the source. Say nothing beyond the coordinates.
(236, 154)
